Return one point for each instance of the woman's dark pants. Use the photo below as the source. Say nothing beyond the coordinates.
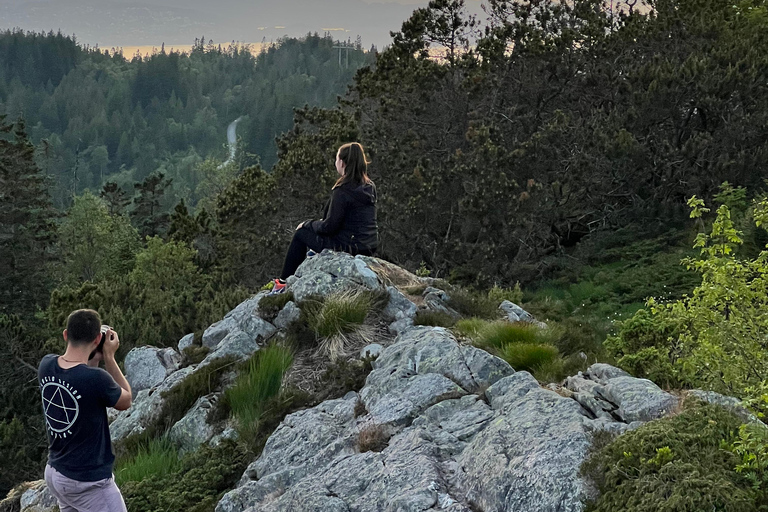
(303, 239)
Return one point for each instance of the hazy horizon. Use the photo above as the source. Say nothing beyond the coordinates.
(177, 23)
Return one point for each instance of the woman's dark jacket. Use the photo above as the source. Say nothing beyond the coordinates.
(349, 218)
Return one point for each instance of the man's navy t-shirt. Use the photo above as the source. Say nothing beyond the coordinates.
(75, 402)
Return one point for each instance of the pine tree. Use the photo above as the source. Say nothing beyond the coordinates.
(147, 214)
(115, 197)
(27, 231)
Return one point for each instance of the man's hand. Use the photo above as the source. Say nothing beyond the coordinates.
(111, 344)
(98, 356)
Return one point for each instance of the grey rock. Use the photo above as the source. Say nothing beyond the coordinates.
(463, 418)
(602, 372)
(596, 407)
(145, 408)
(508, 391)
(395, 397)
(193, 429)
(38, 499)
(242, 318)
(579, 384)
(435, 350)
(637, 399)
(515, 313)
(399, 306)
(227, 433)
(438, 300)
(289, 314)
(332, 272)
(399, 326)
(243, 343)
(148, 366)
(371, 351)
(528, 457)
(186, 341)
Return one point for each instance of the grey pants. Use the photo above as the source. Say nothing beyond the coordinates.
(76, 496)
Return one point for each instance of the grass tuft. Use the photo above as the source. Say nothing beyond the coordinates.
(470, 327)
(433, 318)
(259, 383)
(155, 459)
(270, 305)
(528, 356)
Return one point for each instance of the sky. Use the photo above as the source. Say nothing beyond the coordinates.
(146, 23)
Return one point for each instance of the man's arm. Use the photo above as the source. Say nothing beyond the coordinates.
(110, 347)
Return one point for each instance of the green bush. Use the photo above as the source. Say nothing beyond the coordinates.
(528, 356)
(433, 318)
(751, 445)
(497, 294)
(715, 337)
(196, 486)
(470, 303)
(156, 459)
(673, 464)
(256, 386)
(270, 305)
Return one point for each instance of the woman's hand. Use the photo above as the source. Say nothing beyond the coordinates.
(300, 226)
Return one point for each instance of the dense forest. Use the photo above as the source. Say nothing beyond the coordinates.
(98, 116)
(549, 144)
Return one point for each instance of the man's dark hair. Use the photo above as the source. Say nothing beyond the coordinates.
(83, 326)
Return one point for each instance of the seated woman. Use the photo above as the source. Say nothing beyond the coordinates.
(349, 219)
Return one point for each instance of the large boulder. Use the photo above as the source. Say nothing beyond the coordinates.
(244, 317)
(193, 429)
(149, 366)
(146, 407)
(330, 272)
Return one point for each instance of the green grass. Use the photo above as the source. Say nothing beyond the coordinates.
(270, 305)
(155, 459)
(259, 383)
(528, 356)
(469, 327)
(339, 313)
(500, 334)
(433, 318)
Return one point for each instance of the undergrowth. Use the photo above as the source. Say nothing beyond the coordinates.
(679, 463)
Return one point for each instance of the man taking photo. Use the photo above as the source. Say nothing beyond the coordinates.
(76, 394)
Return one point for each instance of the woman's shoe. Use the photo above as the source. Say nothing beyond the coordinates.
(278, 286)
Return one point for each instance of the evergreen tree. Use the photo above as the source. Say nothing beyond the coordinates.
(115, 197)
(27, 233)
(147, 214)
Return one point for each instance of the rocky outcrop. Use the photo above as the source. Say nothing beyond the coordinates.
(608, 392)
(146, 367)
(332, 272)
(459, 428)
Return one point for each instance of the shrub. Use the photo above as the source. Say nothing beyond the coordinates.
(751, 445)
(433, 318)
(270, 305)
(155, 459)
(195, 486)
(470, 303)
(343, 376)
(713, 338)
(497, 294)
(372, 438)
(256, 386)
(673, 464)
(527, 356)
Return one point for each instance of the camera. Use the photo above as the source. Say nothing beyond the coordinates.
(104, 330)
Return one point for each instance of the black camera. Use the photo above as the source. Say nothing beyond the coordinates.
(104, 330)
